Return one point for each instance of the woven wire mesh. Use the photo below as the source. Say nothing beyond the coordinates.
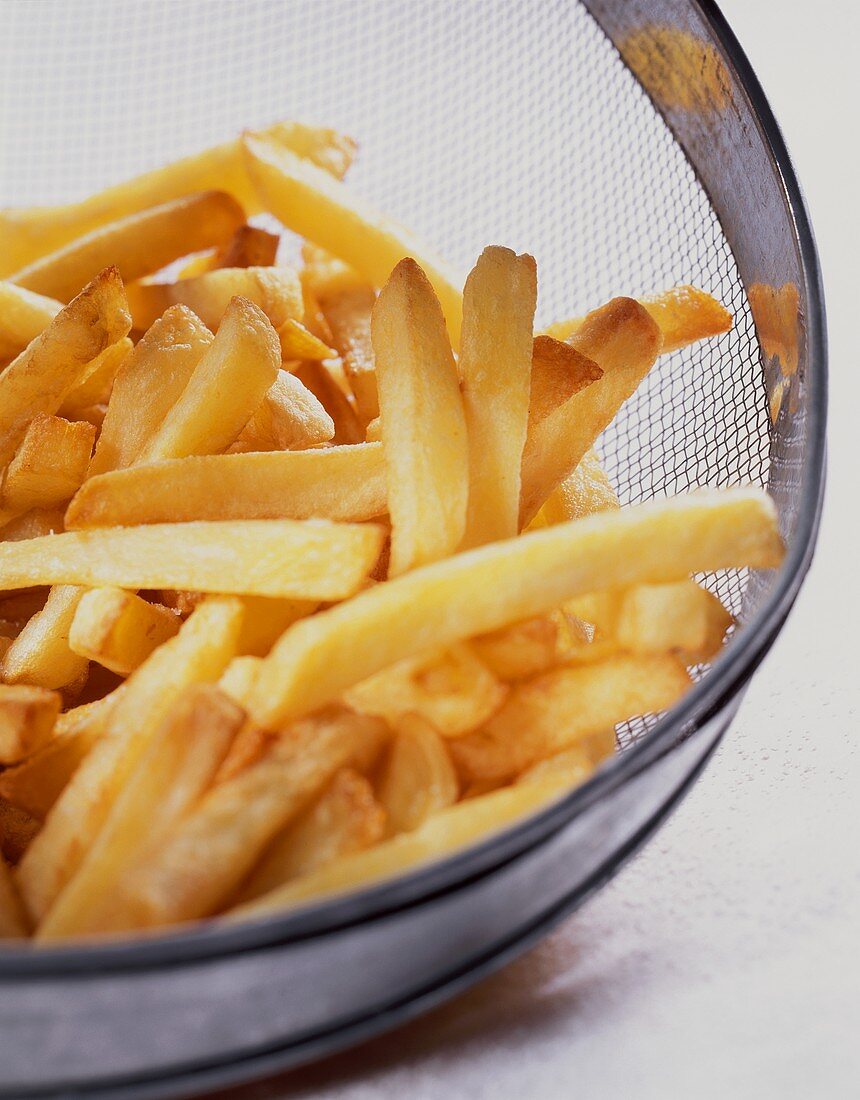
(479, 122)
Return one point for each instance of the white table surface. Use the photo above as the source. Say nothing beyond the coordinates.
(724, 960)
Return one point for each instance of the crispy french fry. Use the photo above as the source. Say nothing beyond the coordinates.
(29, 233)
(451, 689)
(147, 386)
(495, 373)
(297, 342)
(423, 423)
(585, 491)
(346, 818)
(27, 718)
(266, 619)
(317, 207)
(418, 778)
(96, 388)
(197, 869)
(558, 372)
(576, 763)
(118, 629)
(658, 618)
(137, 244)
(33, 525)
(23, 315)
(198, 654)
(227, 385)
(624, 341)
(173, 773)
(238, 678)
(274, 290)
(338, 483)
(49, 465)
(13, 920)
(39, 379)
(17, 829)
(289, 418)
(40, 656)
(521, 650)
(249, 246)
(548, 714)
(319, 380)
(319, 658)
(313, 559)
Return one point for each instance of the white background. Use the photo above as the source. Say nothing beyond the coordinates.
(724, 961)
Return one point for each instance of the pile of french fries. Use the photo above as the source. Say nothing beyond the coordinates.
(311, 573)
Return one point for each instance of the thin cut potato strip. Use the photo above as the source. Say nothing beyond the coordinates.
(575, 763)
(297, 342)
(118, 629)
(40, 655)
(250, 246)
(321, 382)
(49, 465)
(313, 559)
(289, 418)
(418, 779)
(137, 245)
(558, 372)
(97, 387)
(585, 491)
(27, 719)
(337, 483)
(23, 316)
(492, 586)
(521, 650)
(346, 301)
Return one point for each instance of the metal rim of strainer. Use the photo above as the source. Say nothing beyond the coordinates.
(729, 674)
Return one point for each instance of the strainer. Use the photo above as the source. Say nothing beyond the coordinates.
(628, 146)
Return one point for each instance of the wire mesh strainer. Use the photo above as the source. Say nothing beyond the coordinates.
(484, 121)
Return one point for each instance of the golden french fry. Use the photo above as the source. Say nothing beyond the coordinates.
(558, 372)
(374, 431)
(27, 718)
(624, 341)
(23, 315)
(225, 389)
(451, 689)
(238, 677)
(479, 591)
(585, 491)
(289, 418)
(345, 818)
(319, 380)
(33, 524)
(423, 423)
(118, 629)
(49, 465)
(96, 388)
(297, 342)
(17, 829)
(576, 763)
(274, 290)
(249, 246)
(266, 620)
(40, 655)
(307, 560)
(174, 772)
(521, 650)
(338, 483)
(13, 919)
(320, 209)
(418, 778)
(39, 379)
(555, 710)
(198, 654)
(655, 618)
(495, 376)
(26, 234)
(137, 244)
(147, 386)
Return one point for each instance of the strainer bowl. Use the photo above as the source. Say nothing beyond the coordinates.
(628, 146)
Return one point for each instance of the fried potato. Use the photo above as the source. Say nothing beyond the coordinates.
(451, 689)
(149, 383)
(297, 342)
(374, 431)
(418, 778)
(17, 830)
(33, 525)
(678, 618)
(584, 492)
(249, 246)
(624, 341)
(313, 560)
(27, 718)
(320, 381)
(118, 629)
(40, 656)
(238, 678)
(137, 244)
(49, 465)
(317, 207)
(57, 360)
(171, 776)
(225, 389)
(495, 367)
(319, 658)
(95, 390)
(423, 422)
(555, 710)
(289, 418)
(558, 372)
(13, 920)
(205, 859)
(521, 650)
(198, 654)
(576, 763)
(274, 290)
(23, 315)
(27, 234)
(266, 619)
(346, 818)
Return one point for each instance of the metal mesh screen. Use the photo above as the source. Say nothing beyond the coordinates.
(480, 122)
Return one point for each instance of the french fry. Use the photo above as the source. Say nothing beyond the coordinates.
(198, 654)
(95, 389)
(181, 600)
(297, 342)
(26, 234)
(266, 619)
(227, 385)
(663, 618)
(521, 650)
(423, 423)
(576, 763)
(250, 246)
(289, 418)
(13, 920)
(337, 483)
(49, 465)
(238, 678)
(27, 718)
(346, 818)
(23, 315)
(209, 853)
(147, 386)
(418, 778)
(118, 629)
(57, 360)
(320, 209)
(495, 372)
(451, 689)
(171, 776)
(319, 658)
(40, 656)
(137, 244)
(33, 525)
(585, 491)
(555, 710)
(558, 371)
(318, 379)
(307, 560)
(274, 290)
(374, 431)
(17, 829)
